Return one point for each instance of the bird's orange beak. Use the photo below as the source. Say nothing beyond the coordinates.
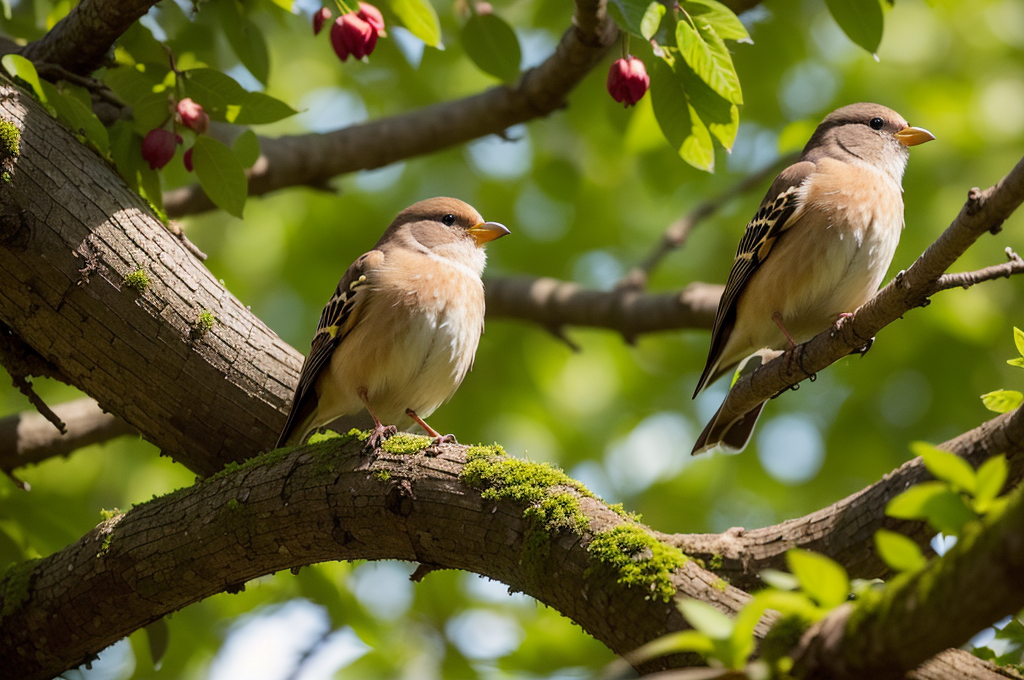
(912, 136)
(488, 231)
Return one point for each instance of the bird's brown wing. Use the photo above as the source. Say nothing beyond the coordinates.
(336, 321)
(772, 219)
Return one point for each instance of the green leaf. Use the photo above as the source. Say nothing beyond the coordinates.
(286, 5)
(629, 14)
(492, 45)
(822, 579)
(721, 18)
(707, 55)
(706, 619)
(674, 643)
(721, 117)
(247, 148)
(934, 502)
(779, 579)
(786, 603)
(214, 90)
(420, 18)
(126, 150)
(861, 21)
(249, 45)
(1018, 340)
(1002, 401)
(73, 113)
(991, 477)
(946, 466)
(257, 108)
(652, 19)
(1019, 362)
(20, 67)
(679, 122)
(898, 551)
(150, 112)
(220, 174)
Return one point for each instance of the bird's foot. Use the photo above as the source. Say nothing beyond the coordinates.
(381, 433)
(435, 447)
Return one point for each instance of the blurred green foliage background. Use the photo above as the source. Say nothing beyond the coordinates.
(586, 192)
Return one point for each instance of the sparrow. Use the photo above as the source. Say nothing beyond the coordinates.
(816, 250)
(401, 330)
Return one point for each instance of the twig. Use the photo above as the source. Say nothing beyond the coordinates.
(997, 271)
(22, 362)
(676, 234)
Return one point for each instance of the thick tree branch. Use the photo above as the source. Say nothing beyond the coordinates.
(845, 530)
(70, 232)
(324, 502)
(553, 304)
(81, 41)
(312, 159)
(917, 615)
(27, 438)
(984, 211)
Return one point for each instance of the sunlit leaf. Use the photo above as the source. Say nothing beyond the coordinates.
(420, 18)
(20, 67)
(220, 174)
(721, 117)
(73, 113)
(1002, 401)
(722, 19)
(707, 55)
(652, 19)
(492, 45)
(946, 466)
(1019, 362)
(934, 502)
(898, 551)
(674, 643)
(629, 14)
(706, 619)
(824, 580)
(1018, 340)
(779, 579)
(861, 21)
(678, 120)
(990, 479)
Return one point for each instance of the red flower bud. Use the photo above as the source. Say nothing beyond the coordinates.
(193, 116)
(628, 80)
(372, 16)
(352, 35)
(187, 160)
(319, 18)
(158, 148)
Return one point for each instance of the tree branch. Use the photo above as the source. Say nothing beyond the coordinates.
(81, 41)
(328, 501)
(845, 530)
(983, 212)
(891, 631)
(312, 159)
(27, 438)
(553, 304)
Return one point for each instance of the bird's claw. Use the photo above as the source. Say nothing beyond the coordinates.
(435, 448)
(380, 434)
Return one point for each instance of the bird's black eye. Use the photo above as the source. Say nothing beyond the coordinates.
(448, 220)
(876, 123)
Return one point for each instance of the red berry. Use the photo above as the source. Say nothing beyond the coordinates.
(158, 148)
(628, 80)
(319, 18)
(352, 35)
(193, 116)
(187, 159)
(372, 16)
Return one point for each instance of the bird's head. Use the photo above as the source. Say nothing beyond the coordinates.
(871, 133)
(447, 227)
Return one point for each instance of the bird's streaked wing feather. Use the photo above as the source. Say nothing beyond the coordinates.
(336, 321)
(773, 217)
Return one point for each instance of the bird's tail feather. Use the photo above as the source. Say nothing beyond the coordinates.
(731, 436)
